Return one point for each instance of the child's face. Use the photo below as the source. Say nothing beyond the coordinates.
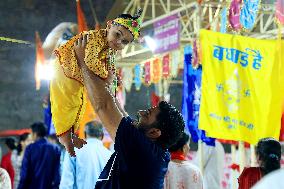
(118, 37)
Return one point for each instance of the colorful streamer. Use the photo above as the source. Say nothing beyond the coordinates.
(280, 11)
(137, 76)
(234, 14)
(156, 71)
(166, 66)
(249, 13)
(224, 20)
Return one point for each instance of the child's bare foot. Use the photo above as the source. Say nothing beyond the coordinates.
(66, 141)
(78, 142)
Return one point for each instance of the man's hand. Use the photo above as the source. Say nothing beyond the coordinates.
(79, 48)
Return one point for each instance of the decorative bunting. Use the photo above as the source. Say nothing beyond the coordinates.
(137, 76)
(166, 66)
(224, 19)
(280, 11)
(249, 13)
(156, 71)
(175, 63)
(147, 74)
(127, 78)
(234, 14)
(195, 58)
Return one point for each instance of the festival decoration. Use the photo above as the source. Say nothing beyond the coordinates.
(234, 14)
(137, 76)
(166, 66)
(175, 63)
(195, 56)
(191, 99)
(127, 78)
(233, 68)
(249, 13)
(147, 73)
(156, 70)
(280, 11)
(224, 20)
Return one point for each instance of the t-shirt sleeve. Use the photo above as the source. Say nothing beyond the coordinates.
(130, 142)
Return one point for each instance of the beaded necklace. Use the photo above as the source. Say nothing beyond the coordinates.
(111, 61)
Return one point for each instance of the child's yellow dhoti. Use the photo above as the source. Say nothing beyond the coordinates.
(67, 93)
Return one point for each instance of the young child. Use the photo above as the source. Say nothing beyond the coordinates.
(67, 93)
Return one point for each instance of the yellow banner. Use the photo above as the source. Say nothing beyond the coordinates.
(242, 87)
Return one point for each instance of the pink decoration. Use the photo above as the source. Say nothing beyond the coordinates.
(166, 66)
(280, 11)
(147, 76)
(234, 14)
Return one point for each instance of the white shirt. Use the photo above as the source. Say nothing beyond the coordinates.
(82, 171)
(213, 165)
(183, 175)
(273, 180)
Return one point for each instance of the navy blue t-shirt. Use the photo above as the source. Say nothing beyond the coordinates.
(137, 163)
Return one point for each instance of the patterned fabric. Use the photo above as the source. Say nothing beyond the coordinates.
(17, 164)
(183, 175)
(68, 99)
(96, 53)
(5, 181)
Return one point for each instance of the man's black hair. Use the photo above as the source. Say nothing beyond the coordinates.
(11, 143)
(39, 128)
(171, 124)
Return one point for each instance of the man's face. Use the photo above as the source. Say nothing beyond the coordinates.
(118, 37)
(147, 118)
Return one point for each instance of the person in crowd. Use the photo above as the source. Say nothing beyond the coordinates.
(141, 157)
(82, 171)
(53, 139)
(5, 181)
(273, 180)
(17, 156)
(213, 163)
(41, 162)
(268, 153)
(6, 162)
(181, 173)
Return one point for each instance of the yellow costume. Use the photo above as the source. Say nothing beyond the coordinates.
(68, 98)
(67, 93)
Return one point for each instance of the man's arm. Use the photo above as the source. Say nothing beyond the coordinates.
(99, 94)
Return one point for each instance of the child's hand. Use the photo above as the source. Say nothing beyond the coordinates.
(79, 48)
